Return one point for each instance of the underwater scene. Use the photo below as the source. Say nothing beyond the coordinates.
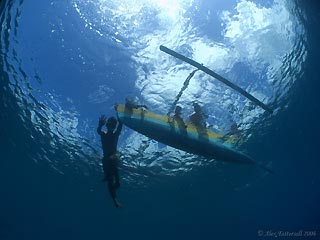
(159, 119)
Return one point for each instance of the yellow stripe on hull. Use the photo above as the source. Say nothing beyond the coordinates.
(202, 142)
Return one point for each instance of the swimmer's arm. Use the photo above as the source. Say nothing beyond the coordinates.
(102, 121)
(99, 130)
(119, 128)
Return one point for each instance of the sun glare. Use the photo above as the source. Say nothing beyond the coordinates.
(172, 8)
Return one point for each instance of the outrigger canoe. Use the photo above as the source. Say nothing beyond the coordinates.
(186, 137)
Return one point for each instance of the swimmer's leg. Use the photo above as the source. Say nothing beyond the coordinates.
(117, 179)
(112, 191)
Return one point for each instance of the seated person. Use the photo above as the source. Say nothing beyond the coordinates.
(234, 130)
(197, 118)
(178, 118)
(130, 104)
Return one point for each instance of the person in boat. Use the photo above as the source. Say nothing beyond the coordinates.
(197, 118)
(178, 117)
(130, 104)
(110, 159)
(234, 130)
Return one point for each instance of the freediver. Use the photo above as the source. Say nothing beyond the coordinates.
(110, 160)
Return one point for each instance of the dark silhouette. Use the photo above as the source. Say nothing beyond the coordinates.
(234, 130)
(110, 159)
(130, 104)
(198, 118)
(178, 118)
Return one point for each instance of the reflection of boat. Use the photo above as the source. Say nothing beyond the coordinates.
(202, 142)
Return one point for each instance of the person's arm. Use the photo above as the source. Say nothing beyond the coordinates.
(191, 118)
(119, 128)
(102, 121)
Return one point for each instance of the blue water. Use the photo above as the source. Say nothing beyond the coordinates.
(64, 63)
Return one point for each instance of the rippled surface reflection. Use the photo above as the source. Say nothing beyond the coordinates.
(87, 55)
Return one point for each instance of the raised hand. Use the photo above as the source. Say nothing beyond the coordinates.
(102, 120)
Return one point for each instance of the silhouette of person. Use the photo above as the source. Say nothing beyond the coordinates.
(110, 159)
(178, 118)
(197, 118)
(130, 104)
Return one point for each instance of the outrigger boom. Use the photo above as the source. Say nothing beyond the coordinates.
(216, 76)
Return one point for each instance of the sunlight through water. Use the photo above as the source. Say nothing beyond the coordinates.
(108, 50)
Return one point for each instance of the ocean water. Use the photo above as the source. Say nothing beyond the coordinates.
(64, 63)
